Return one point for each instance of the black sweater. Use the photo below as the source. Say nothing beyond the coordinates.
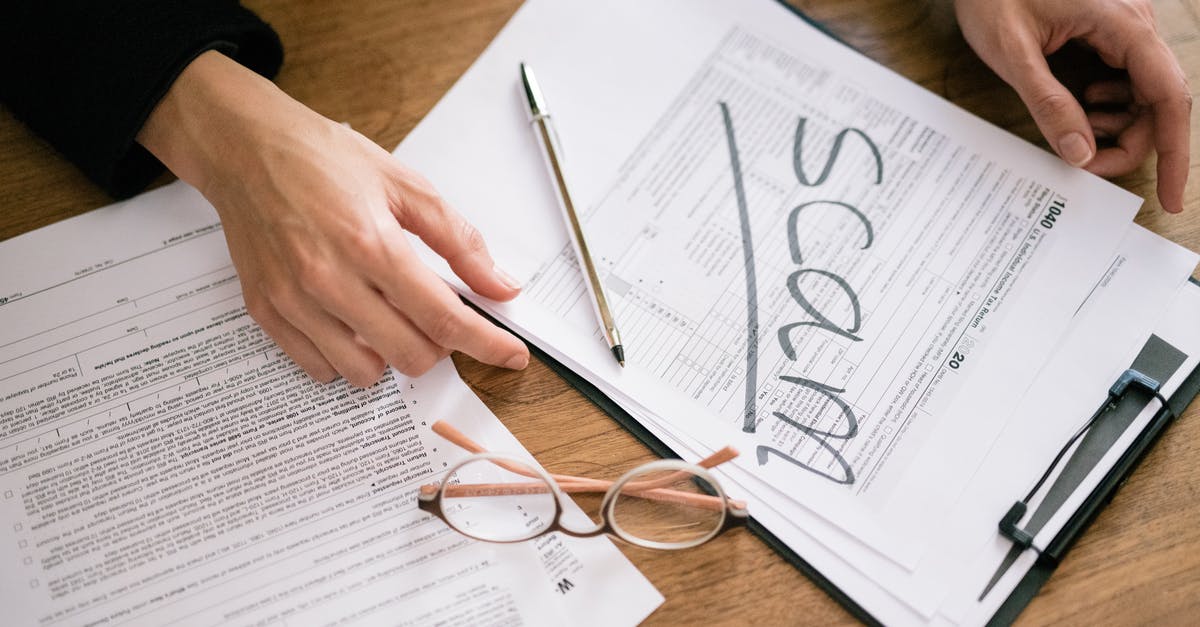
(85, 74)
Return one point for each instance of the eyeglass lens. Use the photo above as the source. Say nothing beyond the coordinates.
(672, 507)
(490, 502)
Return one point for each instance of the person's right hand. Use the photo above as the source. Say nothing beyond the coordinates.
(314, 215)
(1014, 36)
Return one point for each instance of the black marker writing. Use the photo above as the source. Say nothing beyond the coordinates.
(821, 322)
(751, 280)
(798, 148)
(819, 319)
(794, 234)
(821, 437)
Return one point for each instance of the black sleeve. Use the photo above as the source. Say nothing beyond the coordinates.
(85, 74)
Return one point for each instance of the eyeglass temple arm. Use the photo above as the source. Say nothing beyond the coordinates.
(700, 501)
(460, 439)
(585, 484)
(720, 457)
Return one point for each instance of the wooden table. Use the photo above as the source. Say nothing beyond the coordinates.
(381, 65)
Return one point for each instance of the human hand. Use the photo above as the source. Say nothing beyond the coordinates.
(1014, 36)
(314, 215)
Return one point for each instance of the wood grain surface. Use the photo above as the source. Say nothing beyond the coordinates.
(382, 64)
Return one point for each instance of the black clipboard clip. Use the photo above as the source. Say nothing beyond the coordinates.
(1130, 378)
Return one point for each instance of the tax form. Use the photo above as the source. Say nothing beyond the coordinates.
(814, 260)
(801, 267)
(163, 462)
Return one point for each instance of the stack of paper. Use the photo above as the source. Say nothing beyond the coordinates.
(163, 462)
(896, 311)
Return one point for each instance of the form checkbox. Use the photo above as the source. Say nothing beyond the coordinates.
(18, 527)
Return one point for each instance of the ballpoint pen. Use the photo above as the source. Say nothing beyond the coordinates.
(540, 121)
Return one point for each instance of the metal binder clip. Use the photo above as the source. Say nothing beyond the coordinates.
(1131, 377)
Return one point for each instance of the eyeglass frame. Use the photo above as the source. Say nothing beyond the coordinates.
(733, 513)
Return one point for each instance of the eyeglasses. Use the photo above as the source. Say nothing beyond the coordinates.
(666, 504)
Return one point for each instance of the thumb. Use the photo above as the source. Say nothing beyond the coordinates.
(458, 242)
(1057, 113)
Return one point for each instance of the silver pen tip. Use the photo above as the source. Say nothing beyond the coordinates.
(537, 103)
(618, 351)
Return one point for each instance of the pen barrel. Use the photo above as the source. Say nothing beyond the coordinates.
(552, 157)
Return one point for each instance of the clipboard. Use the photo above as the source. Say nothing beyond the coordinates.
(1103, 493)
(1051, 555)
(1055, 550)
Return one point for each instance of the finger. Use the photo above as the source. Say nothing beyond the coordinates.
(292, 341)
(383, 327)
(407, 288)
(1133, 146)
(1109, 125)
(359, 364)
(1058, 115)
(1159, 83)
(443, 229)
(1108, 93)
(442, 317)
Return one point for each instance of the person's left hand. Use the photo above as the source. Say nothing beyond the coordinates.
(315, 216)
(1149, 111)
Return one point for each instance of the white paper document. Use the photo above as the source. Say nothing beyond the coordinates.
(809, 257)
(163, 462)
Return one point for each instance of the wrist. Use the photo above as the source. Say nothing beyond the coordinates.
(210, 109)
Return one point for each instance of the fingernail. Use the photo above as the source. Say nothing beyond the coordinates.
(518, 362)
(506, 278)
(1075, 149)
